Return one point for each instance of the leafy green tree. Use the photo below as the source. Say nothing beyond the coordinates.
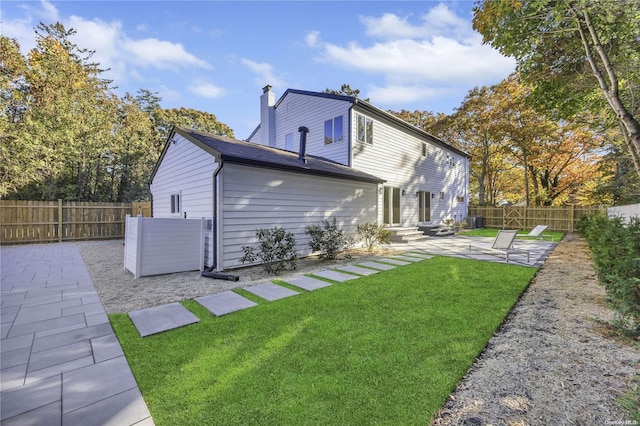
(189, 119)
(345, 90)
(19, 160)
(65, 134)
(568, 50)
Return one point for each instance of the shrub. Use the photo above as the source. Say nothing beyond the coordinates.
(277, 250)
(328, 239)
(373, 235)
(616, 255)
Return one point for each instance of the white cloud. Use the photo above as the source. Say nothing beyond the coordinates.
(114, 49)
(312, 39)
(265, 73)
(160, 54)
(207, 90)
(438, 21)
(417, 57)
(440, 60)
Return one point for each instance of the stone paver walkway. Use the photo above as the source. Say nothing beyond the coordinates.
(61, 363)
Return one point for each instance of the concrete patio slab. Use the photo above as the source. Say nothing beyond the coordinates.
(224, 303)
(335, 275)
(358, 270)
(307, 283)
(377, 265)
(418, 255)
(405, 258)
(393, 261)
(161, 318)
(270, 291)
(55, 337)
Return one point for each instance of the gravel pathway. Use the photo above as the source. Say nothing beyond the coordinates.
(548, 365)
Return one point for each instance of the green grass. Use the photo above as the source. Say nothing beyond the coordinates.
(383, 349)
(492, 232)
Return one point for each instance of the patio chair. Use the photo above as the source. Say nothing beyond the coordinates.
(504, 242)
(537, 232)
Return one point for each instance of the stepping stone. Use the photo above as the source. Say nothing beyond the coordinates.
(406, 258)
(224, 303)
(335, 276)
(161, 318)
(394, 261)
(419, 255)
(358, 270)
(377, 265)
(270, 291)
(307, 283)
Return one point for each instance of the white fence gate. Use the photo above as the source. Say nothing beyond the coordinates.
(154, 246)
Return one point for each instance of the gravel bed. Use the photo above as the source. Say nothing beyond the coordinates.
(120, 292)
(546, 365)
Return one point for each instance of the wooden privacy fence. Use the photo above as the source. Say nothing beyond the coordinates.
(23, 222)
(561, 218)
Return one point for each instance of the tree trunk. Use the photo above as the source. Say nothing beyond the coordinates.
(610, 88)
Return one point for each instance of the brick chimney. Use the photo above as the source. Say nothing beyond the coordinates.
(267, 117)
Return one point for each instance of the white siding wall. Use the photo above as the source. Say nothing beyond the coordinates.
(188, 170)
(311, 111)
(260, 198)
(397, 157)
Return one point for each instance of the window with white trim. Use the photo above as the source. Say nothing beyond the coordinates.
(333, 131)
(175, 203)
(365, 129)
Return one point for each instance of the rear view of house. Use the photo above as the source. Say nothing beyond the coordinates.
(314, 156)
(426, 180)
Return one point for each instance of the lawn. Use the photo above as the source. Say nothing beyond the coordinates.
(492, 232)
(383, 349)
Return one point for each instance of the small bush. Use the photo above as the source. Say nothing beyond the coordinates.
(373, 235)
(616, 255)
(328, 239)
(277, 250)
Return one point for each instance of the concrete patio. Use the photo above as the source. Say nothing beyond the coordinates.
(61, 361)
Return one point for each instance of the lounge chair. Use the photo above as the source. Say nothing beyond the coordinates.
(504, 242)
(537, 232)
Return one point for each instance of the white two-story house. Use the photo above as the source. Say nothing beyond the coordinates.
(426, 180)
(314, 156)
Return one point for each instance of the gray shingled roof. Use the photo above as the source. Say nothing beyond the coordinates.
(240, 152)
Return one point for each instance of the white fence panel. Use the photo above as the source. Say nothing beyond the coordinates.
(625, 212)
(156, 246)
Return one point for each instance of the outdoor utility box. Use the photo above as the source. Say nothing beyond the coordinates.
(474, 222)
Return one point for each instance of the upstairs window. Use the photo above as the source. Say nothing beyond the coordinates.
(175, 203)
(365, 129)
(288, 141)
(333, 131)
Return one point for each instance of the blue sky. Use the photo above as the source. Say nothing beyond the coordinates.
(215, 56)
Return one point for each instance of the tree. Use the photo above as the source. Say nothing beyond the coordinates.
(65, 134)
(19, 164)
(568, 49)
(345, 90)
(190, 119)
